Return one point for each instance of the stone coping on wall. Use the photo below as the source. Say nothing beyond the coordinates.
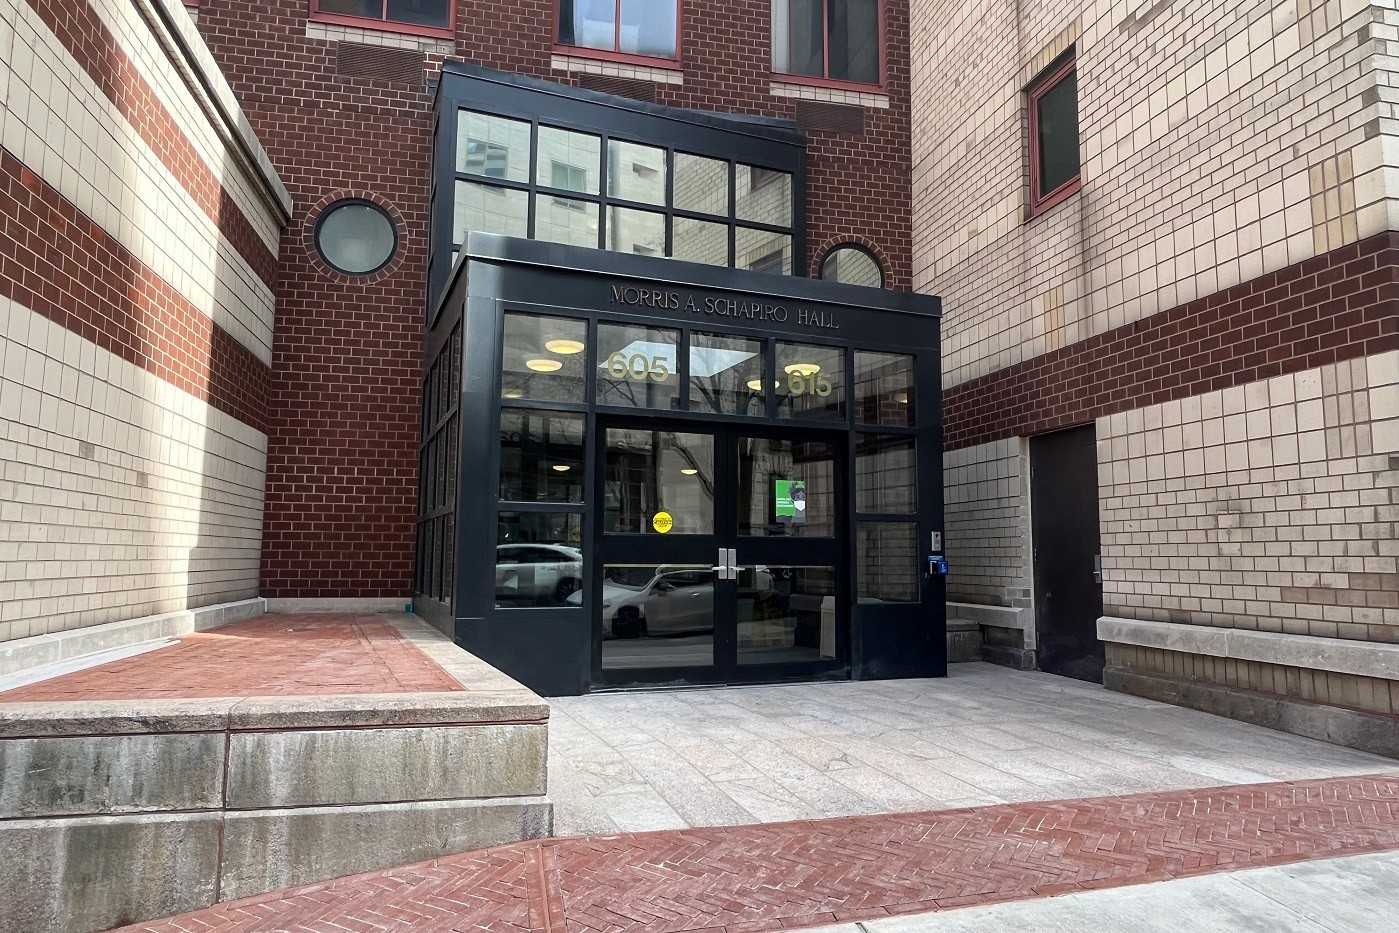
(37, 651)
(1341, 655)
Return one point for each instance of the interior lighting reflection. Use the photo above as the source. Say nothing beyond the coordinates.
(544, 366)
(564, 347)
(802, 369)
(689, 471)
(562, 467)
(757, 385)
(514, 393)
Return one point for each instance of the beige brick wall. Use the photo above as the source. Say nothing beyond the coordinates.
(1220, 140)
(122, 494)
(1273, 506)
(987, 521)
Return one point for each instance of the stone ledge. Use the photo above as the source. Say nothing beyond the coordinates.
(1369, 732)
(24, 654)
(1343, 656)
(1012, 617)
(338, 604)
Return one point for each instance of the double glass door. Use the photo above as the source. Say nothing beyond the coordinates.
(720, 554)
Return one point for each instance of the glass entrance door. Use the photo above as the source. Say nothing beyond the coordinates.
(720, 554)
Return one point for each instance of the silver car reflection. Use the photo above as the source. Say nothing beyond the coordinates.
(672, 601)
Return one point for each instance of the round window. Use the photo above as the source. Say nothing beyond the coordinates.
(356, 237)
(852, 265)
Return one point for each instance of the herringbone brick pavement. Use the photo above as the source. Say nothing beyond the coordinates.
(773, 876)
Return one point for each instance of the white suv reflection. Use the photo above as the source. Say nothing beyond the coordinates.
(535, 574)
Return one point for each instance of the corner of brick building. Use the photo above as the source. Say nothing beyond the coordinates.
(346, 386)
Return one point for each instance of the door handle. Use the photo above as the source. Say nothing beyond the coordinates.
(1098, 568)
(726, 568)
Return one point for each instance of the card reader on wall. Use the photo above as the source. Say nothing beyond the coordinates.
(937, 565)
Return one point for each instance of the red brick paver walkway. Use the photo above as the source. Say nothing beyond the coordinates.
(783, 875)
(273, 655)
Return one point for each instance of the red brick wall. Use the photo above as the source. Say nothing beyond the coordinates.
(345, 396)
(1338, 306)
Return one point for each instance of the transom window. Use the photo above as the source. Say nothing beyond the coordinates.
(412, 15)
(629, 27)
(837, 40)
(564, 186)
(1054, 156)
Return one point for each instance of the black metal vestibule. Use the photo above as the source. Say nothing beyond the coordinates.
(640, 471)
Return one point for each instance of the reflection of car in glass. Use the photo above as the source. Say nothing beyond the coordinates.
(641, 601)
(537, 573)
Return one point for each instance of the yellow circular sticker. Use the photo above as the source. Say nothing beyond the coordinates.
(662, 522)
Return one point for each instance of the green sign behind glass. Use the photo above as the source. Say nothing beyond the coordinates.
(790, 498)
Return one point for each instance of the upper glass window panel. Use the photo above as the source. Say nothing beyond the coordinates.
(568, 160)
(513, 178)
(726, 375)
(762, 251)
(432, 14)
(701, 241)
(635, 172)
(886, 474)
(641, 233)
(653, 472)
(541, 456)
(764, 196)
(786, 488)
(493, 147)
(638, 366)
(565, 220)
(490, 209)
(1054, 134)
(833, 39)
(701, 185)
(810, 381)
(884, 389)
(632, 27)
(544, 358)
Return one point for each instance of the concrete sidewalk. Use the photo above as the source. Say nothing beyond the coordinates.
(1355, 894)
(983, 735)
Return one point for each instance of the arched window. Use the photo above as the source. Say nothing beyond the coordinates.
(852, 265)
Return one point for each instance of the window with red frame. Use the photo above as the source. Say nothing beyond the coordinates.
(418, 14)
(647, 28)
(837, 40)
(1054, 156)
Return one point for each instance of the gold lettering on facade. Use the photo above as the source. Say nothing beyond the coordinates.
(742, 308)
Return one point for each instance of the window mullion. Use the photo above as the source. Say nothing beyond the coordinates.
(617, 26)
(825, 38)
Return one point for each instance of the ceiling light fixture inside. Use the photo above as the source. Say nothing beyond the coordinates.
(802, 369)
(544, 366)
(564, 347)
(562, 467)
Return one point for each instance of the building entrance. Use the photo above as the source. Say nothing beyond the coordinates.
(639, 471)
(720, 553)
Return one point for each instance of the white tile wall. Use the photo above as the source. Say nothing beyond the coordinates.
(987, 522)
(1272, 506)
(120, 495)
